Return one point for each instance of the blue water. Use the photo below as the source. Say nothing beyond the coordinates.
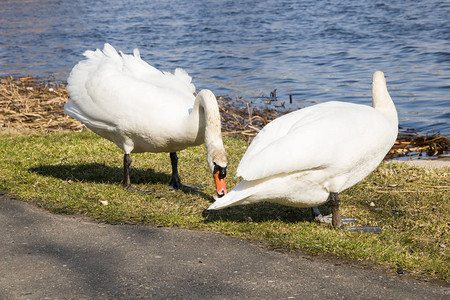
(313, 50)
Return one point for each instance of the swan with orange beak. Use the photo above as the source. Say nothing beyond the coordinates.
(141, 109)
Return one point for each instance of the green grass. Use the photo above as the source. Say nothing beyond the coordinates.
(71, 173)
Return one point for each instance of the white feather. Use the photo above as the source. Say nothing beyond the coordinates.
(299, 158)
(141, 109)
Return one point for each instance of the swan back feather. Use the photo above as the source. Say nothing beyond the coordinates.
(316, 137)
(118, 95)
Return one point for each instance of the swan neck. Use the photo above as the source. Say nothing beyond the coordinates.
(208, 110)
(208, 113)
(382, 101)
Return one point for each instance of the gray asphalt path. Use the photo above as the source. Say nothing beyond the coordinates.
(46, 256)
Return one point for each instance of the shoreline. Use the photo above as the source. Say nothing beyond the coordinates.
(41, 108)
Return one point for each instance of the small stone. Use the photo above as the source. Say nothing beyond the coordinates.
(442, 245)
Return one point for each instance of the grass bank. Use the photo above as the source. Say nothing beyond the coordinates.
(81, 173)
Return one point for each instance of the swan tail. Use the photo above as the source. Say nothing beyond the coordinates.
(226, 201)
(82, 106)
(238, 196)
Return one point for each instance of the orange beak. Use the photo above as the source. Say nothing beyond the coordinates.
(220, 185)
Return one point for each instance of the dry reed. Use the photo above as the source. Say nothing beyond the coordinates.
(29, 104)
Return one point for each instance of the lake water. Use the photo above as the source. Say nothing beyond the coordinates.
(315, 51)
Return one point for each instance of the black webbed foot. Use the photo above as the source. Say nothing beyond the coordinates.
(317, 215)
(175, 184)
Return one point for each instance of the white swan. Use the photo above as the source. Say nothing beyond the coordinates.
(309, 156)
(141, 109)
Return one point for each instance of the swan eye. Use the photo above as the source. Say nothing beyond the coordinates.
(222, 171)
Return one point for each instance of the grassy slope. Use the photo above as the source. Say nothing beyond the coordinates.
(73, 172)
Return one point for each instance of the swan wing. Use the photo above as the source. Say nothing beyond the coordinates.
(109, 90)
(328, 135)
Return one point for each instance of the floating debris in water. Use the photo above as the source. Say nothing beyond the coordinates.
(412, 144)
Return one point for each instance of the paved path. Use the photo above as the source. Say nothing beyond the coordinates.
(46, 256)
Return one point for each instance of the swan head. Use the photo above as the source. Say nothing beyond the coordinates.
(217, 163)
(381, 100)
(219, 176)
(378, 78)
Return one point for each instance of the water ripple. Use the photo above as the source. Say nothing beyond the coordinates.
(314, 50)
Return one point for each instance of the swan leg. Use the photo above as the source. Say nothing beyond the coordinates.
(126, 171)
(126, 176)
(334, 200)
(175, 182)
